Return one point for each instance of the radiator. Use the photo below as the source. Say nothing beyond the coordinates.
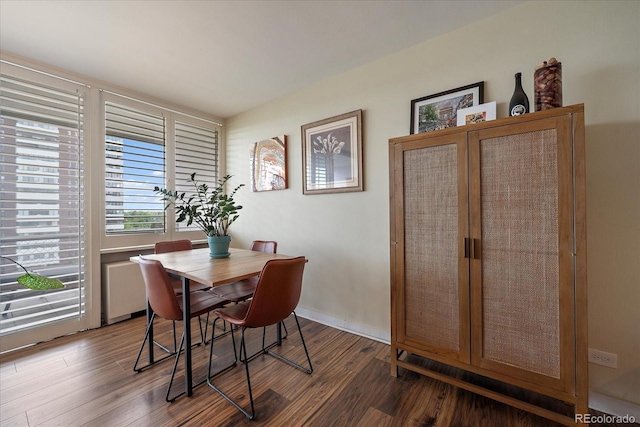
(123, 291)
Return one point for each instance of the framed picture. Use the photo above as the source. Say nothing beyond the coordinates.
(477, 114)
(269, 164)
(439, 111)
(332, 154)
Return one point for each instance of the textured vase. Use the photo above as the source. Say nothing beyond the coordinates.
(219, 246)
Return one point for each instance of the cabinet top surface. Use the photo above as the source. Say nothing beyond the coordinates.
(572, 109)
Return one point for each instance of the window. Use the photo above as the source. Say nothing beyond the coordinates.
(148, 146)
(134, 164)
(42, 205)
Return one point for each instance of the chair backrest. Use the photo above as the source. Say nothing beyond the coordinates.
(277, 292)
(159, 290)
(173, 246)
(264, 246)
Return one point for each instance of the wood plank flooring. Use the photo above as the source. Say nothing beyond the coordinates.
(87, 379)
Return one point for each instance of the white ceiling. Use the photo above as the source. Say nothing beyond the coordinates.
(224, 57)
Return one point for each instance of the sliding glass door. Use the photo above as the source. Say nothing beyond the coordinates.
(42, 174)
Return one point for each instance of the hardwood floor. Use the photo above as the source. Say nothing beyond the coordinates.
(87, 380)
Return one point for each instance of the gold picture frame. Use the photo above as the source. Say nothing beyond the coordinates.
(332, 155)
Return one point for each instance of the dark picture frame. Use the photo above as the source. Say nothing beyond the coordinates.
(439, 111)
(332, 155)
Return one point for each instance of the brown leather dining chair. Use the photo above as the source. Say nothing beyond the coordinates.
(276, 296)
(165, 304)
(243, 289)
(174, 246)
(176, 284)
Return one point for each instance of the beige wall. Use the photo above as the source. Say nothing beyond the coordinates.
(346, 237)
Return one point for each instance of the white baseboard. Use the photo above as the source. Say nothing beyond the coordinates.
(613, 406)
(382, 336)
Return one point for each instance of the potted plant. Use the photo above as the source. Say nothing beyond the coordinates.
(209, 208)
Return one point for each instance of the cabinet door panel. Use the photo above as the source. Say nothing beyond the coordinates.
(523, 277)
(431, 225)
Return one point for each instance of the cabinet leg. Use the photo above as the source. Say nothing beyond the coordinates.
(394, 361)
(581, 408)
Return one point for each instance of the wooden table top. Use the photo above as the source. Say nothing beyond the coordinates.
(197, 265)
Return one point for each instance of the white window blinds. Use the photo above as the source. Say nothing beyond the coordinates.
(42, 204)
(196, 151)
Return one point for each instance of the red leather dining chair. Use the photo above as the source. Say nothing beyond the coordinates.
(165, 304)
(276, 296)
(176, 284)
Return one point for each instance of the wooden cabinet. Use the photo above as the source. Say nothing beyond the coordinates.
(488, 256)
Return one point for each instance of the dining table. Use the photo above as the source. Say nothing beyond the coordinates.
(197, 265)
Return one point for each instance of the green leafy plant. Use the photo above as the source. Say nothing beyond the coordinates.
(209, 208)
(35, 281)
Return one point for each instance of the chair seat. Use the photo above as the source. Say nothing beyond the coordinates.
(176, 284)
(203, 302)
(236, 291)
(234, 313)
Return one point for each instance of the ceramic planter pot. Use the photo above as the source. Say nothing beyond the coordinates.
(219, 246)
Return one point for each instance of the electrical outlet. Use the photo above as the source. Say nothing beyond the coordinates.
(602, 358)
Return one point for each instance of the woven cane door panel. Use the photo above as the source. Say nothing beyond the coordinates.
(520, 271)
(431, 311)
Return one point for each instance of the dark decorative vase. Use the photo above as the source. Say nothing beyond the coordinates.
(219, 246)
(547, 84)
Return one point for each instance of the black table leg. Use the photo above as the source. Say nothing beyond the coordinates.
(186, 320)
